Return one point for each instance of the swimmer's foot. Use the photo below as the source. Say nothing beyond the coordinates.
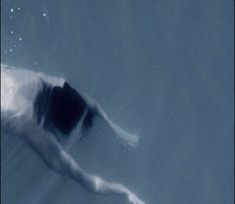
(133, 199)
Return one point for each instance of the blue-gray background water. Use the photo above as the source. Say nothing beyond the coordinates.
(162, 69)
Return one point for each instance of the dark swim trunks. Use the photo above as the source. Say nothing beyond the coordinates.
(60, 107)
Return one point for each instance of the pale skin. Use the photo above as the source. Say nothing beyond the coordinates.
(18, 88)
(54, 156)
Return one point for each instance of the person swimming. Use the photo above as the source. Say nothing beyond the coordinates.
(38, 106)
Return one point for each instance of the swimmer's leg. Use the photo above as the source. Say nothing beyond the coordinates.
(123, 136)
(51, 152)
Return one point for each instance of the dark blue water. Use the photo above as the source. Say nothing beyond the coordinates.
(162, 69)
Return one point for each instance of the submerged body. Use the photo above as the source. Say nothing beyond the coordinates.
(38, 107)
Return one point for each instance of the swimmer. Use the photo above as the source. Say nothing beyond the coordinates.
(37, 107)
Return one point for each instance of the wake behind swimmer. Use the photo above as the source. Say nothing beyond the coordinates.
(47, 105)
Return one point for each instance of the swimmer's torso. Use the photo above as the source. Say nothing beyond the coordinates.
(49, 102)
(19, 89)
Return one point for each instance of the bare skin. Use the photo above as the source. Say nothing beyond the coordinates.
(52, 153)
(18, 93)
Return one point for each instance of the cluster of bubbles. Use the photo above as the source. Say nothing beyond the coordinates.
(13, 13)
